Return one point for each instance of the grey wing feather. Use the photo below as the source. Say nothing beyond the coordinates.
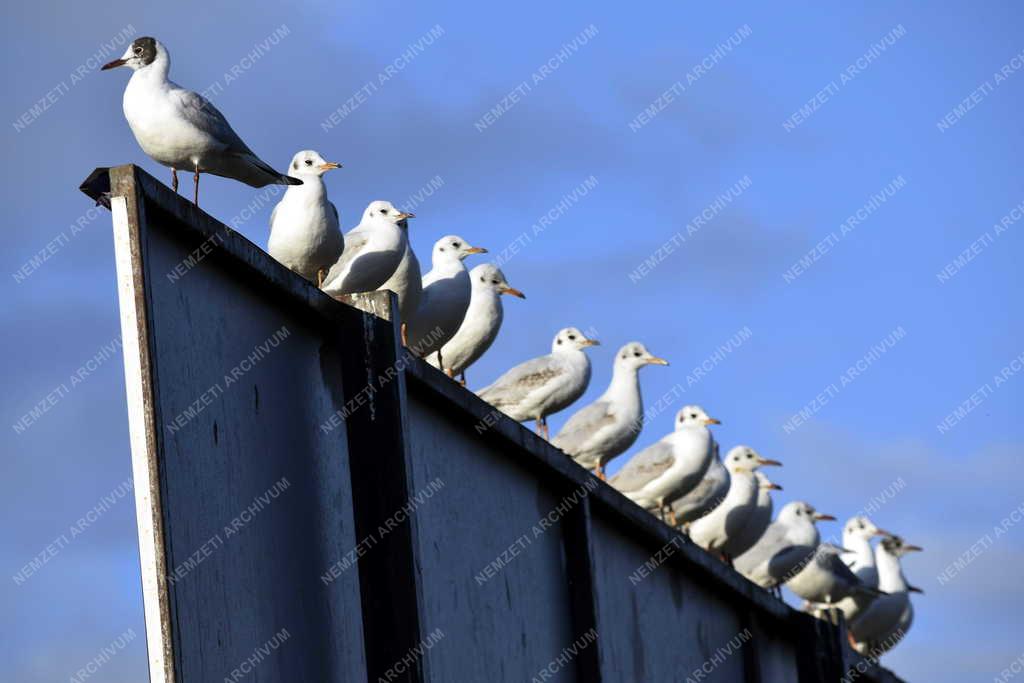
(334, 210)
(644, 467)
(835, 565)
(582, 426)
(771, 541)
(354, 243)
(201, 113)
(517, 383)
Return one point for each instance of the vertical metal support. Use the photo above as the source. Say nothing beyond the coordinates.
(374, 385)
(751, 653)
(128, 214)
(819, 655)
(579, 556)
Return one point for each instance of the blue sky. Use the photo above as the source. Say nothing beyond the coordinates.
(880, 123)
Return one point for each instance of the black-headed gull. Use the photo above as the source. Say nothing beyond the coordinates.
(305, 234)
(373, 250)
(718, 530)
(674, 465)
(445, 298)
(180, 128)
(481, 323)
(785, 546)
(545, 385)
(608, 426)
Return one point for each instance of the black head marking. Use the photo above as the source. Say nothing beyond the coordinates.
(144, 49)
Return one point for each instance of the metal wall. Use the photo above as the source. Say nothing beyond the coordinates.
(315, 505)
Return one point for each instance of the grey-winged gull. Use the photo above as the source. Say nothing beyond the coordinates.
(481, 323)
(445, 298)
(785, 546)
(373, 250)
(608, 426)
(180, 128)
(544, 385)
(718, 530)
(674, 465)
(305, 234)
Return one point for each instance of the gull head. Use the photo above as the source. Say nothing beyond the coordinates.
(571, 339)
(488, 277)
(799, 512)
(897, 547)
(451, 248)
(384, 212)
(310, 164)
(862, 527)
(746, 459)
(635, 355)
(694, 416)
(140, 54)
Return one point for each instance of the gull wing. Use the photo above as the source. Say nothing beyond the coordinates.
(644, 467)
(201, 113)
(522, 380)
(355, 242)
(582, 426)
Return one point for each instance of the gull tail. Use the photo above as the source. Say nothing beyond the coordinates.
(255, 172)
(868, 591)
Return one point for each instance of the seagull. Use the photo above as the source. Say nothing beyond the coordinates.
(826, 580)
(180, 128)
(718, 530)
(759, 518)
(545, 385)
(373, 250)
(304, 232)
(860, 558)
(445, 298)
(608, 426)
(879, 627)
(787, 544)
(673, 465)
(706, 496)
(480, 325)
(407, 284)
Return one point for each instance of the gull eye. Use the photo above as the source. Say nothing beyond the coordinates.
(456, 245)
(495, 282)
(572, 336)
(309, 162)
(384, 211)
(636, 353)
(137, 51)
(693, 415)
